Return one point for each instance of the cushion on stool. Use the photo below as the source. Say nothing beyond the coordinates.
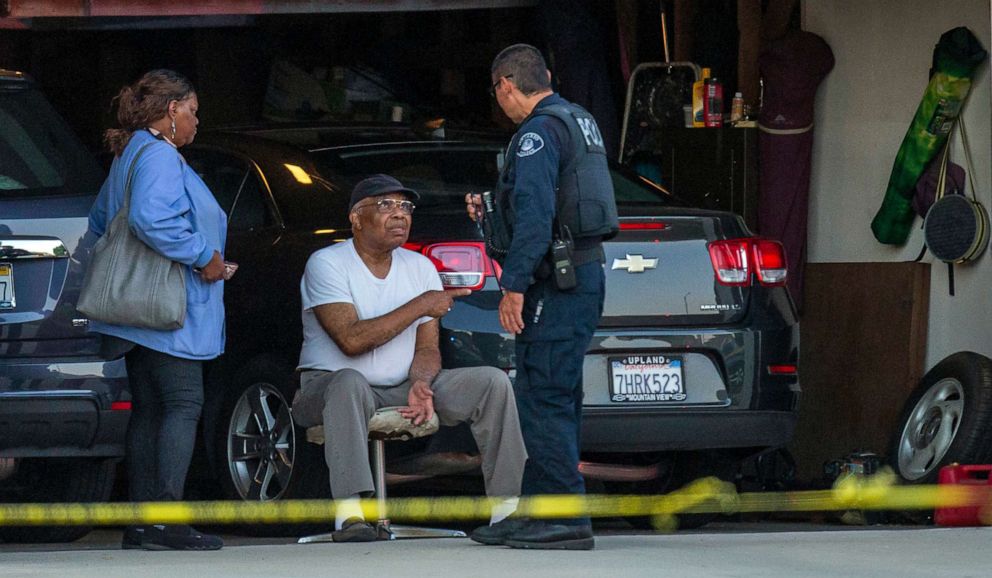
(388, 424)
(315, 434)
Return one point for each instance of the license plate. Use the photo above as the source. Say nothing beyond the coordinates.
(646, 378)
(6, 286)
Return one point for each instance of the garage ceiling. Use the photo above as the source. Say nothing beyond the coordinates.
(26, 9)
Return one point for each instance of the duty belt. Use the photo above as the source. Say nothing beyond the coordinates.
(588, 254)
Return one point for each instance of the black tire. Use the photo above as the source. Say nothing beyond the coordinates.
(686, 467)
(292, 467)
(49, 480)
(947, 419)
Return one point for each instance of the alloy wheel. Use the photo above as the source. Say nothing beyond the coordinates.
(261, 443)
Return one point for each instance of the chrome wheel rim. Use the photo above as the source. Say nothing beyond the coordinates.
(931, 429)
(261, 444)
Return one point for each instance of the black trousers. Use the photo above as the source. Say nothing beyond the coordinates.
(548, 386)
(167, 394)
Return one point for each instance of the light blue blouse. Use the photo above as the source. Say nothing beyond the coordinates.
(174, 212)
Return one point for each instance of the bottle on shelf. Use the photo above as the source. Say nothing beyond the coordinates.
(698, 95)
(737, 108)
(713, 103)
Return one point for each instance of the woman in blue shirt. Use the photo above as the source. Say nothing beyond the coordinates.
(174, 213)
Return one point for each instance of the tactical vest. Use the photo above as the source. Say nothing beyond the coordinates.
(584, 200)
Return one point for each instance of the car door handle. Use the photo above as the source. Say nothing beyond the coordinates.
(32, 248)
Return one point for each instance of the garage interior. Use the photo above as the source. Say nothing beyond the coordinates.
(861, 356)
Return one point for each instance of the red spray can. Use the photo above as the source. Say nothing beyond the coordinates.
(969, 475)
(713, 102)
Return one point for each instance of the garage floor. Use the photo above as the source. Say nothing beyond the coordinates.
(721, 549)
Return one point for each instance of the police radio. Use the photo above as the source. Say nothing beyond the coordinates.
(561, 260)
(493, 229)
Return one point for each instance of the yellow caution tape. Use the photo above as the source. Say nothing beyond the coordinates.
(707, 495)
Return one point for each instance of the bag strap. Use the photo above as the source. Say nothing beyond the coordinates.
(967, 160)
(130, 175)
(942, 183)
(982, 222)
(942, 174)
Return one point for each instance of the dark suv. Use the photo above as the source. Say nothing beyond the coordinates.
(63, 410)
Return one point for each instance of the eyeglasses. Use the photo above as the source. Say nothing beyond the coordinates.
(492, 89)
(386, 206)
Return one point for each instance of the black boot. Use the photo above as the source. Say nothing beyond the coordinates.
(496, 534)
(545, 536)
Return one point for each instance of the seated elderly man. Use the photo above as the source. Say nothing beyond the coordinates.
(370, 340)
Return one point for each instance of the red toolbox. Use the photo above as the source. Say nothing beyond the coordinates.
(977, 514)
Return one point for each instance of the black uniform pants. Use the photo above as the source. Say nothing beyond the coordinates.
(548, 387)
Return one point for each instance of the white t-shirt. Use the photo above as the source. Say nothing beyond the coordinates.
(336, 274)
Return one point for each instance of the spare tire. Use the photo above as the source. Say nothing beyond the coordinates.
(947, 419)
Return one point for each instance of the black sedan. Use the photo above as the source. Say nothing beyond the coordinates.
(694, 365)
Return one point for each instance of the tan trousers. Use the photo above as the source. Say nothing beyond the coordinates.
(343, 401)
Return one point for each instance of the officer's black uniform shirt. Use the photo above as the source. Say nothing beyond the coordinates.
(538, 155)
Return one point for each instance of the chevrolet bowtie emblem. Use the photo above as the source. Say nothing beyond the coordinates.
(634, 263)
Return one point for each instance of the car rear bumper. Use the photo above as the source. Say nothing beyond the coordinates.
(609, 430)
(63, 408)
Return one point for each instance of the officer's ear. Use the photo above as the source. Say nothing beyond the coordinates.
(356, 222)
(549, 75)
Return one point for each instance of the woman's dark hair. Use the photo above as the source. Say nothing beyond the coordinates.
(144, 102)
(526, 65)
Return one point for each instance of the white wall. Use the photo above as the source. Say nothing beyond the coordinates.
(883, 51)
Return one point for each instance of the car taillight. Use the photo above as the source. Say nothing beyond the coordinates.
(783, 369)
(642, 226)
(460, 264)
(769, 262)
(734, 259)
(120, 406)
(730, 261)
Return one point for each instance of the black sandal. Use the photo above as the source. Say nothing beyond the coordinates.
(355, 530)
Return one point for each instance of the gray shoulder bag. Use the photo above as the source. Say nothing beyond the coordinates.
(128, 282)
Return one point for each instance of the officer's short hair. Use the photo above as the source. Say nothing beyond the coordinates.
(526, 65)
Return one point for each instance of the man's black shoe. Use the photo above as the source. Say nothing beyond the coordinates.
(132, 537)
(177, 537)
(544, 536)
(355, 530)
(496, 534)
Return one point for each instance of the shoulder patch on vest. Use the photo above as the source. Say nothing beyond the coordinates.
(530, 143)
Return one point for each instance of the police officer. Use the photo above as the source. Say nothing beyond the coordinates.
(552, 208)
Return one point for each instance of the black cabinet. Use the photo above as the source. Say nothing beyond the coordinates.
(711, 168)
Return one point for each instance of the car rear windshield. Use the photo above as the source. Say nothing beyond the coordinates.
(443, 172)
(39, 155)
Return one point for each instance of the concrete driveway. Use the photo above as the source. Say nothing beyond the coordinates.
(721, 550)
